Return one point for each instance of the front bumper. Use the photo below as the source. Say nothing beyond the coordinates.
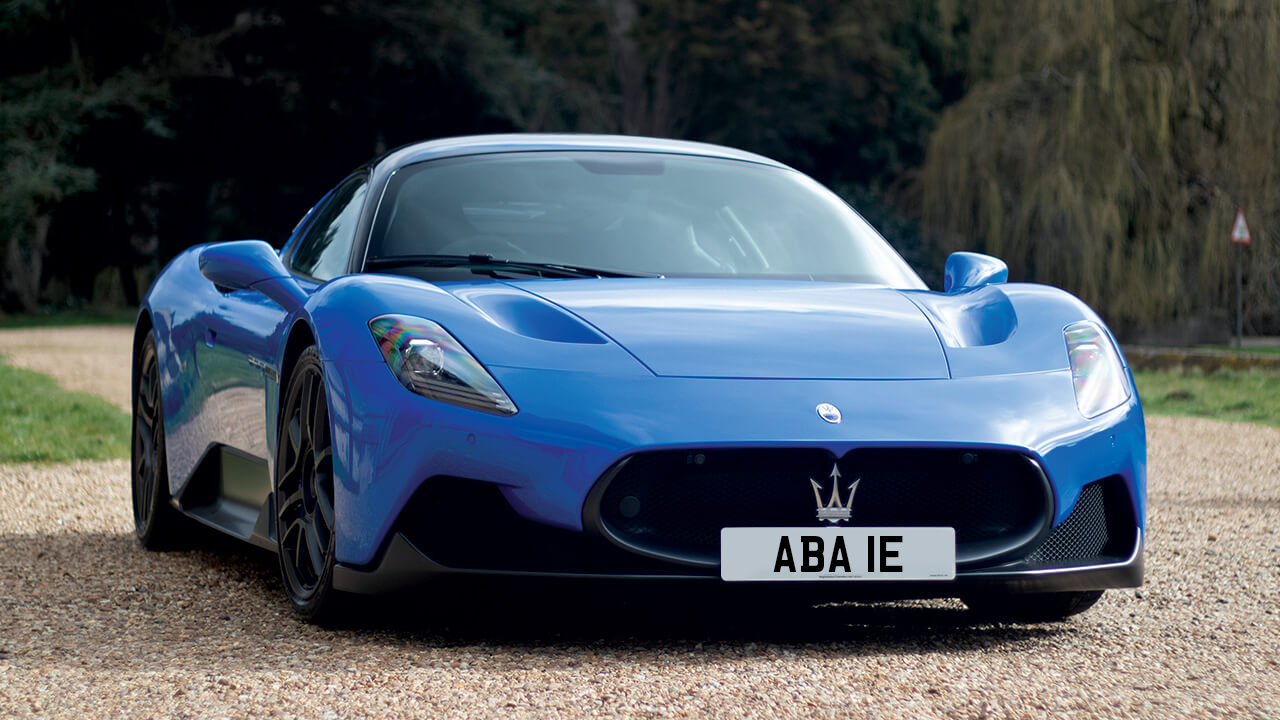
(573, 427)
(403, 566)
(1095, 548)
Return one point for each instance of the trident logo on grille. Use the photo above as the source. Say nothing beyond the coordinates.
(833, 511)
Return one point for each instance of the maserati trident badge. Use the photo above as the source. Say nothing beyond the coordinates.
(834, 511)
(829, 412)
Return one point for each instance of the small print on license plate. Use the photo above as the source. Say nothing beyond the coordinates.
(858, 553)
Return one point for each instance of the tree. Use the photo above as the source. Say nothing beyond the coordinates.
(46, 105)
(1104, 147)
(131, 132)
(838, 88)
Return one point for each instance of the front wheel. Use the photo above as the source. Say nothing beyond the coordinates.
(157, 525)
(1031, 607)
(304, 493)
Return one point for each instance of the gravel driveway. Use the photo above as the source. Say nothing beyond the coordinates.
(93, 626)
(93, 359)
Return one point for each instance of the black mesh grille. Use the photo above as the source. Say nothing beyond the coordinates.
(1097, 529)
(674, 503)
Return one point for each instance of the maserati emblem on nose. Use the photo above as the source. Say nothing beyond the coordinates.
(834, 511)
(829, 412)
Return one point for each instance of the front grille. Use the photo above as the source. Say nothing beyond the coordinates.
(1098, 529)
(672, 504)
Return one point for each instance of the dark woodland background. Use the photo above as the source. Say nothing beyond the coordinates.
(1099, 145)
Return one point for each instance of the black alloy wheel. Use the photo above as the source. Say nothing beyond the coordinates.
(304, 492)
(155, 522)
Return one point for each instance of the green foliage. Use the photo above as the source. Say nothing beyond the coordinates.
(244, 95)
(39, 116)
(1259, 349)
(1103, 146)
(42, 116)
(1100, 145)
(1235, 395)
(841, 89)
(44, 423)
(71, 317)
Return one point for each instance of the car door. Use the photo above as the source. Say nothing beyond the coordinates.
(241, 339)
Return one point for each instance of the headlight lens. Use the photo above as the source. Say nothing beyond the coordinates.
(426, 359)
(1095, 369)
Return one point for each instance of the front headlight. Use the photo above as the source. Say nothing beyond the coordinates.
(1095, 369)
(426, 359)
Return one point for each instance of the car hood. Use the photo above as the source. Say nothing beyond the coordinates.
(756, 329)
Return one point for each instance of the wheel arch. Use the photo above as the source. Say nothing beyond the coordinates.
(141, 327)
(318, 601)
(300, 337)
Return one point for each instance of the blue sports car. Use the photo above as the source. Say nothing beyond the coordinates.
(631, 358)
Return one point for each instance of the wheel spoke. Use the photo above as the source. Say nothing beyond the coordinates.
(147, 386)
(288, 506)
(291, 533)
(295, 433)
(157, 438)
(304, 412)
(323, 458)
(143, 424)
(143, 484)
(144, 436)
(313, 549)
(138, 510)
(289, 476)
(324, 535)
(148, 481)
(153, 392)
(325, 505)
(299, 548)
(318, 417)
(292, 454)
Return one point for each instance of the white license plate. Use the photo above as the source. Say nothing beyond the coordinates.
(859, 553)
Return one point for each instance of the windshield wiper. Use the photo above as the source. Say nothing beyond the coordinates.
(487, 264)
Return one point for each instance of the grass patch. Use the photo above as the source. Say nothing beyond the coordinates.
(44, 423)
(1258, 349)
(1236, 395)
(63, 318)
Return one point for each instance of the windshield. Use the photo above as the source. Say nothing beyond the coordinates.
(630, 213)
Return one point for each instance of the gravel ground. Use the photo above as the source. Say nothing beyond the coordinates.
(91, 625)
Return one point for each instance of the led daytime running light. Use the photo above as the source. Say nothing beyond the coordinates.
(426, 359)
(1096, 371)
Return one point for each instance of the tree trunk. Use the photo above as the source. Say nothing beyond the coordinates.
(24, 264)
(128, 283)
(620, 20)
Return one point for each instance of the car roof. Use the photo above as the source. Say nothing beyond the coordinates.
(525, 142)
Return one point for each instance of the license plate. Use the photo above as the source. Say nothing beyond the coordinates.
(860, 553)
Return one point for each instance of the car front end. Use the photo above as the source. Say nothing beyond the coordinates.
(602, 467)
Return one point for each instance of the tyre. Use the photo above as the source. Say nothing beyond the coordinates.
(304, 493)
(156, 523)
(1031, 607)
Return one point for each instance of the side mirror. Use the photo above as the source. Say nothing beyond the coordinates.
(969, 270)
(251, 265)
